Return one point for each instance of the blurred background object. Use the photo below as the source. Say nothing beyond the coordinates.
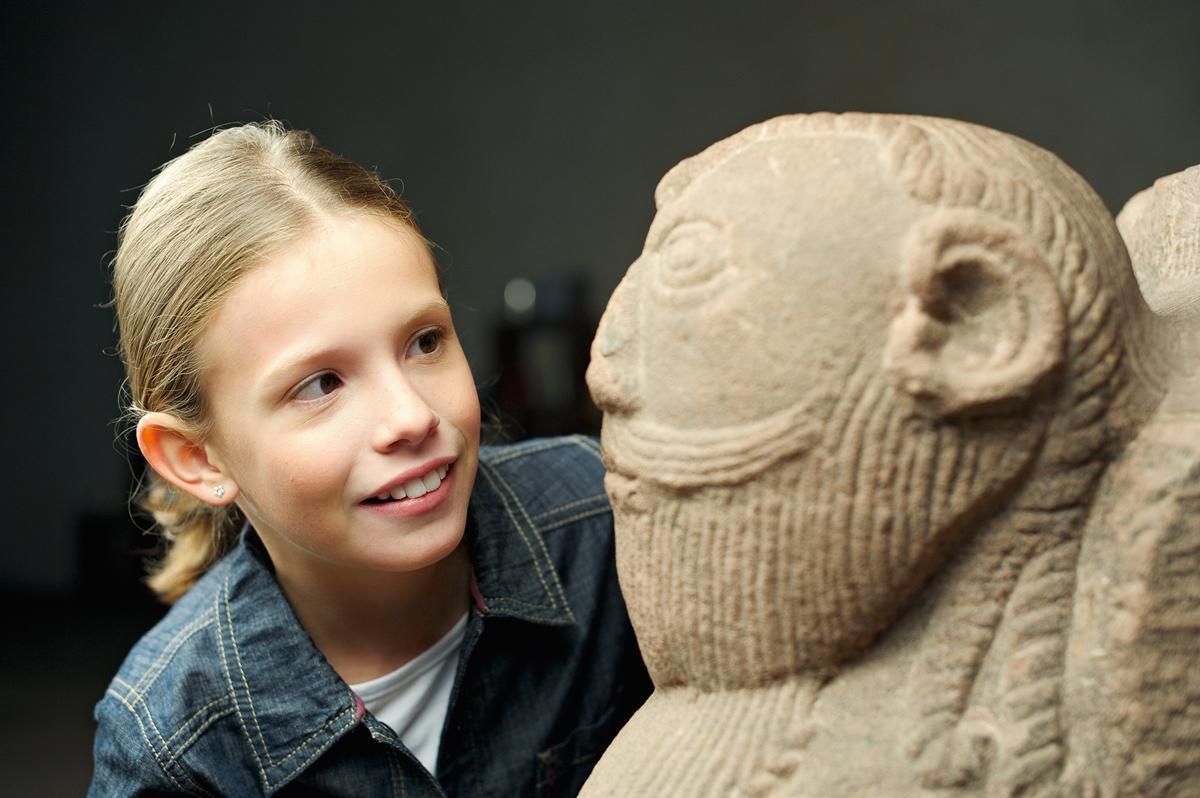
(528, 136)
(542, 347)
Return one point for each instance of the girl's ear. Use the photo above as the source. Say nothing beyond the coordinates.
(172, 450)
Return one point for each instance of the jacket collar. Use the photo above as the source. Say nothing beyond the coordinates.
(513, 570)
(291, 704)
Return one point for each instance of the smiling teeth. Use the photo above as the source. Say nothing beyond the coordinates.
(417, 486)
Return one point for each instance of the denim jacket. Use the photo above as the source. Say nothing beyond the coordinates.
(228, 696)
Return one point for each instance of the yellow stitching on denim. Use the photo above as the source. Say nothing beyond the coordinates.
(560, 508)
(529, 611)
(195, 715)
(553, 574)
(166, 749)
(308, 740)
(203, 727)
(173, 645)
(229, 681)
(561, 522)
(589, 444)
(521, 506)
(142, 728)
(504, 601)
(150, 676)
(129, 688)
(491, 478)
(541, 544)
(275, 764)
(320, 750)
(523, 450)
(141, 699)
(238, 658)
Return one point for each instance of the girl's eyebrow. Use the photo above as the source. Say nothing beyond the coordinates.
(300, 359)
(286, 367)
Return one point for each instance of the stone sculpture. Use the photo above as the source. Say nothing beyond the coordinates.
(906, 475)
(1161, 228)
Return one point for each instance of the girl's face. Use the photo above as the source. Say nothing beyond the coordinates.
(334, 378)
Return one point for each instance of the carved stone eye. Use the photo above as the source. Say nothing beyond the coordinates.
(691, 257)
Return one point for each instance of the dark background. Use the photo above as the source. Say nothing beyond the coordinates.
(528, 136)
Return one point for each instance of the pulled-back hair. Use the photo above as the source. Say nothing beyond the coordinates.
(202, 222)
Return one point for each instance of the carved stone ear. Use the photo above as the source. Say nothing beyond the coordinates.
(983, 326)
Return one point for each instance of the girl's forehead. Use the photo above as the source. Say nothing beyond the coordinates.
(336, 253)
(336, 242)
(350, 279)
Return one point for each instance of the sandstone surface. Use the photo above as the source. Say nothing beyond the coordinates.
(906, 472)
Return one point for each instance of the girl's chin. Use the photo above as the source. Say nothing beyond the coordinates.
(429, 547)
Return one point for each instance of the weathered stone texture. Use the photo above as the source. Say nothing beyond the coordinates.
(1161, 227)
(906, 474)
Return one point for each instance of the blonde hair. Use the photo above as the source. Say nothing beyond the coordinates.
(207, 217)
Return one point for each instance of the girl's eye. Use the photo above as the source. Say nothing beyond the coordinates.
(427, 343)
(318, 387)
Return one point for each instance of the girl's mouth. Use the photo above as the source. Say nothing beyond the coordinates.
(415, 488)
(415, 496)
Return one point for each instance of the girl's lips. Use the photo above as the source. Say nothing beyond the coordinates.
(417, 506)
(419, 473)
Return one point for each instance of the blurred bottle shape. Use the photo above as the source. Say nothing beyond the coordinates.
(542, 353)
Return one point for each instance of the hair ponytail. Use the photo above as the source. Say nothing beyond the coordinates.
(196, 534)
(207, 218)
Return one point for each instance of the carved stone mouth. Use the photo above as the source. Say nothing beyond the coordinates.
(686, 458)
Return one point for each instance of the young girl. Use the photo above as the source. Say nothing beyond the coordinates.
(366, 603)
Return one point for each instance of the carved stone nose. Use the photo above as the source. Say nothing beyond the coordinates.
(612, 375)
(610, 391)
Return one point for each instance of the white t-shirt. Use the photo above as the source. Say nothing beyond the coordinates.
(414, 698)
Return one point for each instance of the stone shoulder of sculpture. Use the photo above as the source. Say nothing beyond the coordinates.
(1139, 601)
(1161, 227)
(905, 474)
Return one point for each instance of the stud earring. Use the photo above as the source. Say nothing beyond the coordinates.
(219, 490)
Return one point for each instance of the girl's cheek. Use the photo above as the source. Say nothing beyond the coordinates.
(470, 411)
(311, 471)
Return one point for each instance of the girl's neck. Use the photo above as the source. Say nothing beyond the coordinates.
(369, 625)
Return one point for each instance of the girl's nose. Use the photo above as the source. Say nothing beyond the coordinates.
(407, 419)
